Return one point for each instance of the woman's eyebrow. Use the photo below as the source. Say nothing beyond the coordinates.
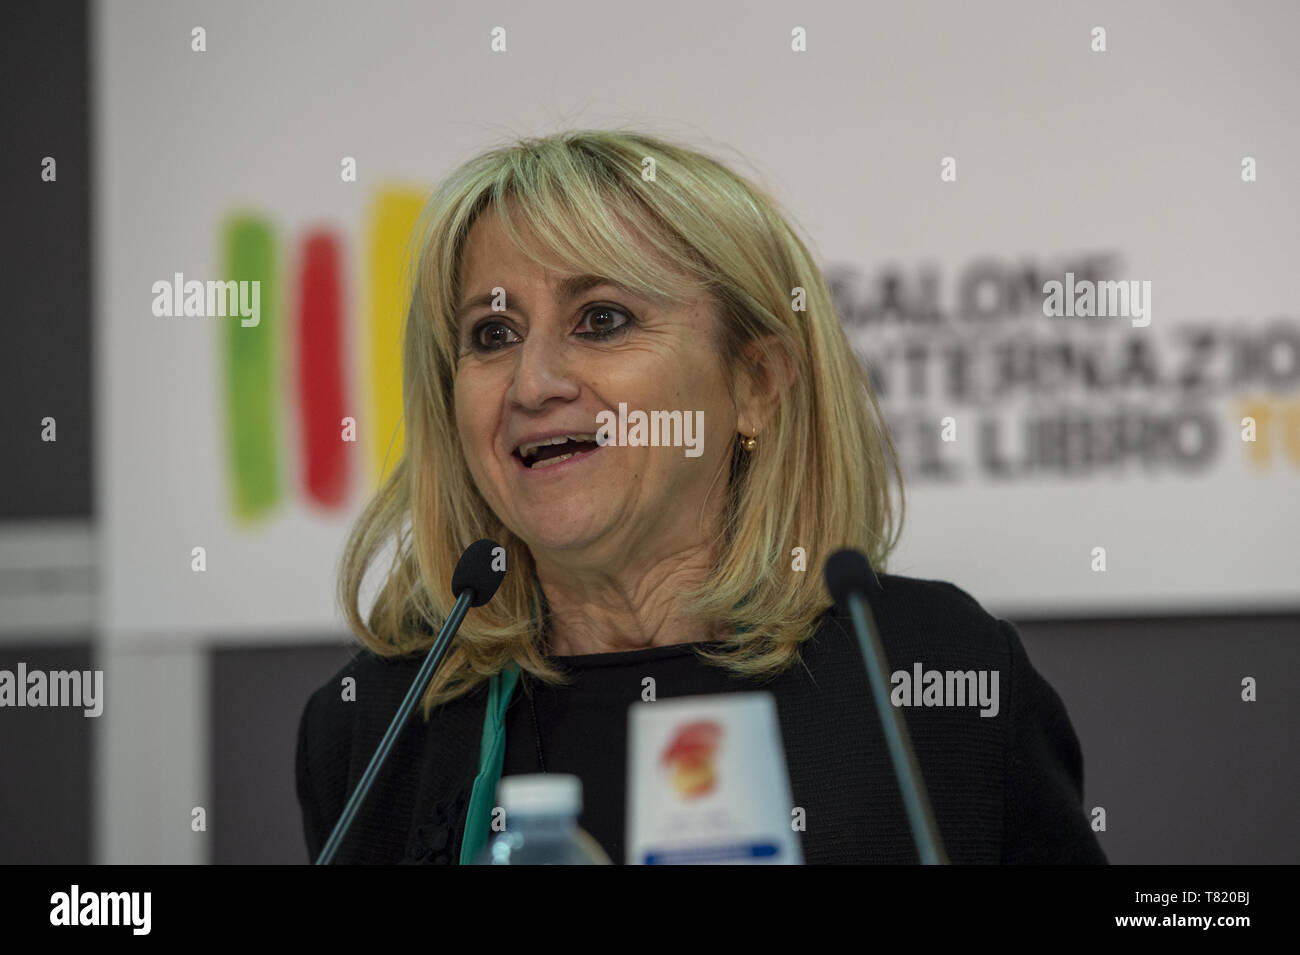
(566, 289)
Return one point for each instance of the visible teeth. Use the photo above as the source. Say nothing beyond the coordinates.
(530, 449)
(549, 461)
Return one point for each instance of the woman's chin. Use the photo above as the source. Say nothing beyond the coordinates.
(558, 536)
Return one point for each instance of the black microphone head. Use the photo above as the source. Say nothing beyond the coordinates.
(474, 571)
(849, 571)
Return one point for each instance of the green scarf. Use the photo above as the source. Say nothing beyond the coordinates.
(492, 755)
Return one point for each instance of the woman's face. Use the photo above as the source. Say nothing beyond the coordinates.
(551, 361)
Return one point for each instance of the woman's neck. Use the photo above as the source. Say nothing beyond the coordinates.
(603, 612)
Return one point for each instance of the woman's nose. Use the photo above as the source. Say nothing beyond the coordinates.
(544, 369)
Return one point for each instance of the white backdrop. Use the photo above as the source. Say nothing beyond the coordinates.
(1131, 157)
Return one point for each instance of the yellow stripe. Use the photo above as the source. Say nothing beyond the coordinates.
(393, 215)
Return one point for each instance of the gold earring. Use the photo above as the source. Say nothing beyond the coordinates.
(749, 443)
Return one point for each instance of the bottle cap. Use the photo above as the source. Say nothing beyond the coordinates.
(543, 793)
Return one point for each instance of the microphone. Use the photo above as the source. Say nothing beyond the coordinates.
(473, 583)
(853, 584)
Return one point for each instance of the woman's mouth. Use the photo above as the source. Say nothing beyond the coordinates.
(554, 452)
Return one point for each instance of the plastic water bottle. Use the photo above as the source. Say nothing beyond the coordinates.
(542, 824)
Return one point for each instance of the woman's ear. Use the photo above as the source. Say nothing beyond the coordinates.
(767, 372)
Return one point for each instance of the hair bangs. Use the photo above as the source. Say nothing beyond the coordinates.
(570, 220)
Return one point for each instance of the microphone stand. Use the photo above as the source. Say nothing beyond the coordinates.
(427, 669)
(924, 830)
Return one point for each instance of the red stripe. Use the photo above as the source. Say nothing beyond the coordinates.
(320, 372)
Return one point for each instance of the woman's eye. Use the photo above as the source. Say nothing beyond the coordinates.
(490, 336)
(603, 321)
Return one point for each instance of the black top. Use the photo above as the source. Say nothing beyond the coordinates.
(1004, 789)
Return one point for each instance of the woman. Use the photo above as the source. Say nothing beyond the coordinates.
(562, 281)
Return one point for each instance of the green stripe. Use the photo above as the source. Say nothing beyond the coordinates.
(252, 378)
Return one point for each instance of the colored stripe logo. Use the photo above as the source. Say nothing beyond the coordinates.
(306, 353)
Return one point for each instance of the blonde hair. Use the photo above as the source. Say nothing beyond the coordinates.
(819, 479)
